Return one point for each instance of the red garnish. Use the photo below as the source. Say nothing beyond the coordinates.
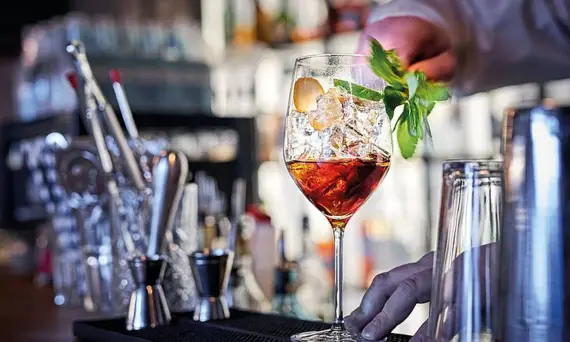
(73, 80)
(115, 75)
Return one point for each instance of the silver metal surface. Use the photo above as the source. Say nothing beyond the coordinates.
(169, 175)
(147, 307)
(126, 112)
(83, 180)
(211, 271)
(535, 242)
(77, 50)
(187, 231)
(79, 170)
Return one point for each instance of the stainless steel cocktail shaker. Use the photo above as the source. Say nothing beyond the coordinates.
(535, 241)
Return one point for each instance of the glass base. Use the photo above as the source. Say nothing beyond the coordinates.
(330, 335)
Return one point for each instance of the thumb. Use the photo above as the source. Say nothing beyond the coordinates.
(439, 68)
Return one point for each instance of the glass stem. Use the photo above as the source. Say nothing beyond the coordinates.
(338, 230)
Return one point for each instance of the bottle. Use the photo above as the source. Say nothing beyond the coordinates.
(244, 290)
(307, 250)
(285, 301)
(315, 285)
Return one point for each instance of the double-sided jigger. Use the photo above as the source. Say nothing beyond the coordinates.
(211, 271)
(147, 307)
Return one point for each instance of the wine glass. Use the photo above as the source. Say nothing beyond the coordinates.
(337, 148)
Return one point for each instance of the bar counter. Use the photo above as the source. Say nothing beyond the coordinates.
(27, 313)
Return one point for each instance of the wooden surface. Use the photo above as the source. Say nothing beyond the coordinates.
(27, 314)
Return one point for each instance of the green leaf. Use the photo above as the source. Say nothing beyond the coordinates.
(434, 91)
(430, 108)
(406, 142)
(394, 60)
(393, 99)
(413, 84)
(415, 120)
(416, 82)
(358, 90)
(385, 65)
(428, 139)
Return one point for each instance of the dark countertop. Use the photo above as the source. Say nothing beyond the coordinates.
(27, 313)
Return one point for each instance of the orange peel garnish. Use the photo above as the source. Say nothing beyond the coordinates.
(305, 93)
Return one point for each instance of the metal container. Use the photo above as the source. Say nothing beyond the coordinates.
(211, 271)
(535, 239)
(148, 307)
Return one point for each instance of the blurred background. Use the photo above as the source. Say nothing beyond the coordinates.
(211, 78)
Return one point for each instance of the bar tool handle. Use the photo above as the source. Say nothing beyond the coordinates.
(124, 106)
(77, 50)
(169, 175)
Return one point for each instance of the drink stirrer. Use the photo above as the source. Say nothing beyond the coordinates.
(145, 158)
(106, 162)
(169, 176)
(77, 50)
(123, 102)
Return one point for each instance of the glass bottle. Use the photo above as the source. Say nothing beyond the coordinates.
(285, 301)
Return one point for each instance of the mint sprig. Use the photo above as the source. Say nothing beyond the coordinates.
(409, 89)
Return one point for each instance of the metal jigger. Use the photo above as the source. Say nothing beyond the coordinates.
(147, 307)
(211, 271)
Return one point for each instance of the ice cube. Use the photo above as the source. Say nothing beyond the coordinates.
(340, 127)
(298, 130)
(328, 112)
(364, 125)
(337, 140)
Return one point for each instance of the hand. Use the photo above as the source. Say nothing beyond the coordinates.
(394, 294)
(391, 298)
(420, 44)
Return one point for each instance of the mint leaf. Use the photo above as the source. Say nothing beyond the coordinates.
(427, 131)
(393, 99)
(417, 84)
(386, 65)
(413, 84)
(434, 91)
(429, 109)
(394, 61)
(358, 90)
(415, 120)
(407, 142)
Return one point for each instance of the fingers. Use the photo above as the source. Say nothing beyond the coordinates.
(415, 289)
(439, 68)
(422, 334)
(391, 33)
(383, 287)
(420, 45)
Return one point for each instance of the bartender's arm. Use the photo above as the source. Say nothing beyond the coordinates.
(477, 44)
